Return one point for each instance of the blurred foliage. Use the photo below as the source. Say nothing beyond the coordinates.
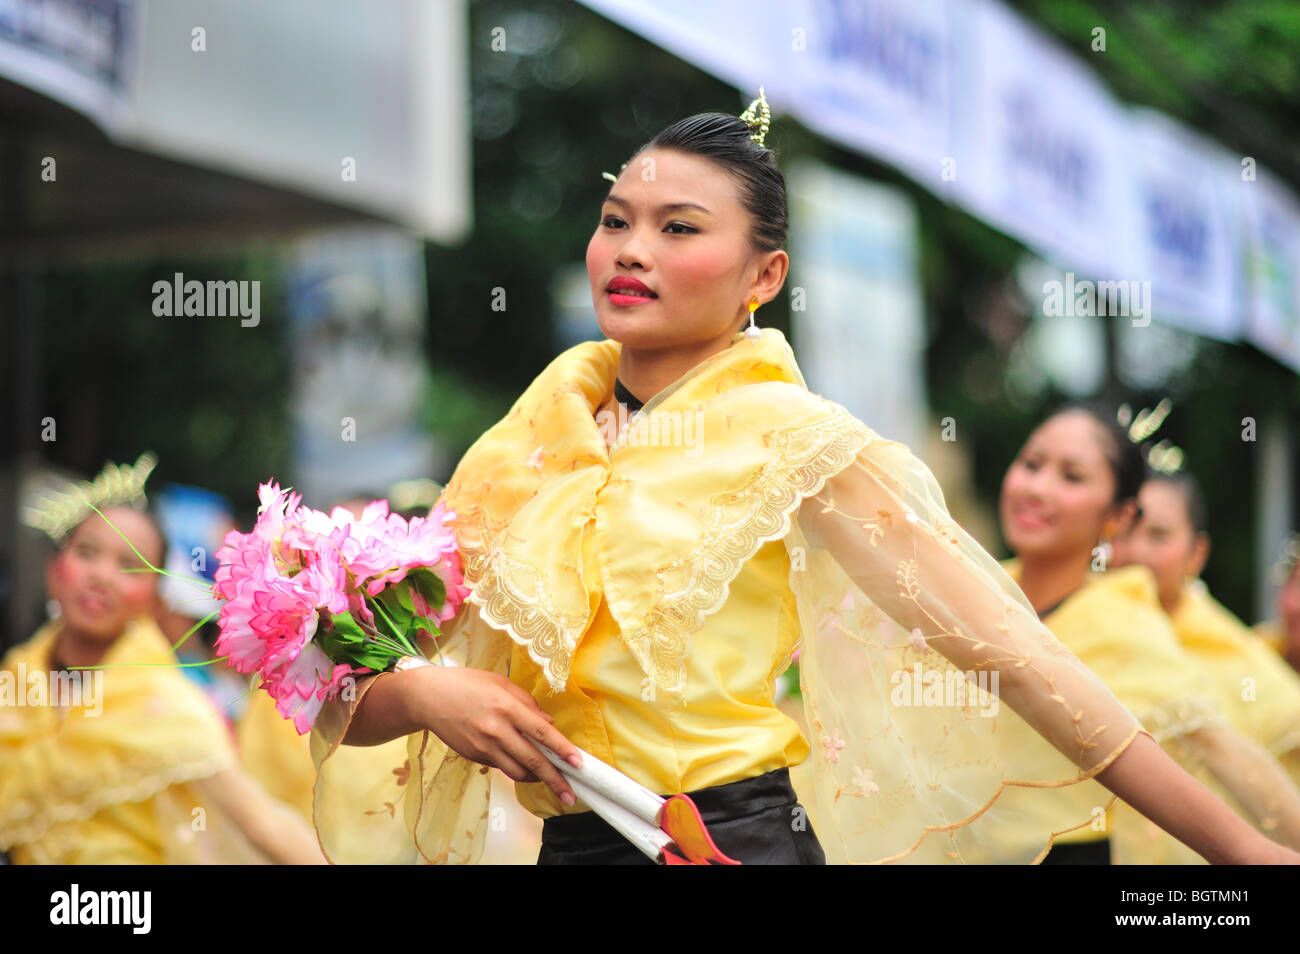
(209, 396)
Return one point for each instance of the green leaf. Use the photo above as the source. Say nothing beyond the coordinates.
(345, 641)
(430, 586)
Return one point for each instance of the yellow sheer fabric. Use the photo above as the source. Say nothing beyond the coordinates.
(1116, 626)
(1258, 691)
(273, 753)
(648, 595)
(124, 785)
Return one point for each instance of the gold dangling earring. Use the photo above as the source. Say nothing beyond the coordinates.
(753, 331)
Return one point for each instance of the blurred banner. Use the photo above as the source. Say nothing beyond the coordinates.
(878, 76)
(75, 51)
(1272, 226)
(982, 108)
(362, 105)
(358, 310)
(1035, 141)
(856, 314)
(1182, 231)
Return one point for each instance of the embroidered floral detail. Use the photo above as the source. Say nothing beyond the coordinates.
(740, 522)
(864, 781)
(909, 585)
(535, 459)
(513, 596)
(24, 822)
(403, 772)
(1180, 718)
(833, 744)
(876, 528)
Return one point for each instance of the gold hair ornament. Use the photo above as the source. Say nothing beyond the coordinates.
(1165, 456)
(758, 115)
(57, 512)
(1286, 563)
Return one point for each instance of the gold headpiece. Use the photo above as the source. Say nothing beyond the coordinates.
(1165, 457)
(758, 115)
(58, 512)
(1286, 563)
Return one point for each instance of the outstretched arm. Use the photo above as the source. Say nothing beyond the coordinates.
(1253, 777)
(884, 521)
(278, 832)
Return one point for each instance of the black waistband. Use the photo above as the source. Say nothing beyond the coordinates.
(717, 803)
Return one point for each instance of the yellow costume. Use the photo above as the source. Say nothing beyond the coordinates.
(1270, 631)
(1259, 693)
(1114, 623)
(118, 786)
(647, 596)
(273, 753)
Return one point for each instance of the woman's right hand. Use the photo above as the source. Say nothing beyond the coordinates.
(486, 718)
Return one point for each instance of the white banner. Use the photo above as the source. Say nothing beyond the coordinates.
(361, 104)
(1271, 221)
(1181, 231)
(78, 52)
(874, 74)
(1037, 142)
(981, 107)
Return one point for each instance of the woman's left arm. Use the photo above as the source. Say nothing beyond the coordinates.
(884, 521)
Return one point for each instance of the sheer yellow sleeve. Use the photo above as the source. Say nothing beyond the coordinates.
(411, 800)
(930, 685)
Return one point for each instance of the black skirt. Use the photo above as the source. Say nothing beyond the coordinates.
(757, 821)
(1079, 853)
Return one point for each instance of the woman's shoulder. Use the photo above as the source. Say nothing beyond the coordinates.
(784, 405)
(1134, 582)
(33, 651)
(1120, 606)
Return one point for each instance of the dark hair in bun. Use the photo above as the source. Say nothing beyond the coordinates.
(726, 140)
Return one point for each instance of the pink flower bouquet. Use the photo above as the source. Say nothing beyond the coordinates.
(312, 599)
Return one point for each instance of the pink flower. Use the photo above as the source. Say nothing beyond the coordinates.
(301, 686)
(297, 563)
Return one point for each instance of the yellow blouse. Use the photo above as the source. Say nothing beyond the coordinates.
(112, 787)
(729, 727)
(648, 595)
(1258, 691)
(1270, 631)
(1115, 625)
